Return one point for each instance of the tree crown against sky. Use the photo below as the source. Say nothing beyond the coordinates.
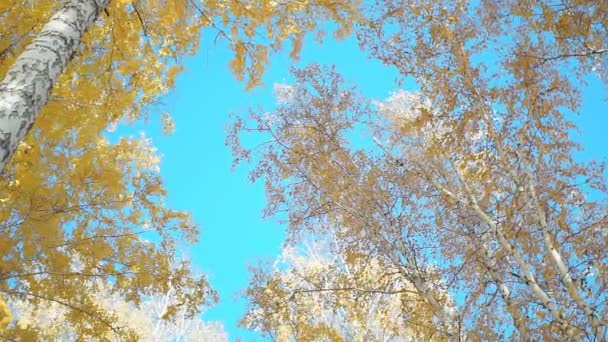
(461, 191)
(471, 171)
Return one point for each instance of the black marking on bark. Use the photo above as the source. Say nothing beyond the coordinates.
(5, 143)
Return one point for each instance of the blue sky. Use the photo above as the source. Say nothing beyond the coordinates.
(196, 163)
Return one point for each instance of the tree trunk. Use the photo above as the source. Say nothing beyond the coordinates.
(28, 83)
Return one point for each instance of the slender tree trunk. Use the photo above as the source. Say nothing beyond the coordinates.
(28, 83)
(555, 256)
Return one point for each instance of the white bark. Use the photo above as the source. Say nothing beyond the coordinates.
(528, 275)
(448, 320)
(512, 250)
(28, 83)
(555, 256)
(548, 238)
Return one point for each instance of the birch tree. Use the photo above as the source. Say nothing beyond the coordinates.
(27, 85)
(314, 177)
(526, 186)
(472, 170)
(509, 222)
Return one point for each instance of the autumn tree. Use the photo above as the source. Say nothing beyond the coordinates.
(68, 190)
(27, 85)
(511, 76)
(465, 186)
(472, 171)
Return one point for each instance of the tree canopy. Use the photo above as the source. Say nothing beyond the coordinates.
(471, 173)
(454, 209)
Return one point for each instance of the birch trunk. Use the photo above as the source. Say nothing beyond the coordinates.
(528, 275)
(472, 203)
(28, 83)
(555, 256)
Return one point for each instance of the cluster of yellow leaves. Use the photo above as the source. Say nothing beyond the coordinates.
(257, 27)
(160, 316)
